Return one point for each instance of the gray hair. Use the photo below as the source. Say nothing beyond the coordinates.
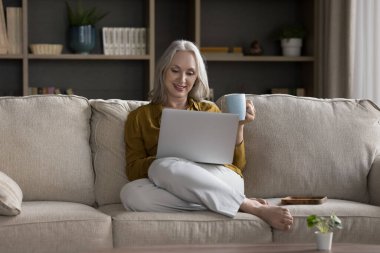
(200, 89)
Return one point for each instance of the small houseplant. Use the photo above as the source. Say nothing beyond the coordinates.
(81, 16)
(325, 226)
(288, 32)
(82, 30)
(291, 40)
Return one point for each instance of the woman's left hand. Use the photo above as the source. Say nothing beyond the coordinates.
(250, 113)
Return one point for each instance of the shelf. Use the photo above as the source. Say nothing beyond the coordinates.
(209, 23)
(237, 24)
(88, 57)
(93, 75)
(216, 57)
(10, 56)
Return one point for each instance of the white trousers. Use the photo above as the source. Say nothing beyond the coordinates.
(176, 185)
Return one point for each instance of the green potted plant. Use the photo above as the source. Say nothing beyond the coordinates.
(325, 227)
(291, 40)
(82, 29)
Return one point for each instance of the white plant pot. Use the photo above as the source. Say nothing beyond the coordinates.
(291, 47)
(324, 240)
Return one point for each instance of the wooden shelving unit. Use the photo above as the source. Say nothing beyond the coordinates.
(28, 61)
(219, 33)
(131, 77)
(90, 57)
(10, 56)
(216, 57)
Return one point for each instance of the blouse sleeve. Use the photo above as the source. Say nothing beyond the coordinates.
(239, 159)
(239, 156)
(138, 161)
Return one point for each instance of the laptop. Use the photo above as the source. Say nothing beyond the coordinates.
(204, 137)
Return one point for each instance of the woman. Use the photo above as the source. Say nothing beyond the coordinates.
(175, 184)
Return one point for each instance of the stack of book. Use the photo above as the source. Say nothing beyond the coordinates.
(289, 91)
(49, 90)
(3, 31)
(11, 30)
(14, 29)
(124, 41)
(222, 51)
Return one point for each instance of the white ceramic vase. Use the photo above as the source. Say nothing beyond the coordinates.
(291, 47)
(324, 240)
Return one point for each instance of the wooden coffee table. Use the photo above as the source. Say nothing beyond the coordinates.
(249, 248)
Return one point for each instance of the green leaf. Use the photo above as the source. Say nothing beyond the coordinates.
(337, 223)
(81, 16)
(311, 220)
(324, 224)
(294, 31)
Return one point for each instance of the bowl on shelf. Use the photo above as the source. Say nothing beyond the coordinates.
(52, 49)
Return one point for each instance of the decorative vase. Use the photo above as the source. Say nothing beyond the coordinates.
(291, 47)
(324, 240)
(82, 39)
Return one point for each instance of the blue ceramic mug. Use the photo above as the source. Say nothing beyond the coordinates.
(235, 103)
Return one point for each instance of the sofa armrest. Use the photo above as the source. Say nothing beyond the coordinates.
(373, 182)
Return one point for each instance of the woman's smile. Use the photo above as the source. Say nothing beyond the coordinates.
(180, 87)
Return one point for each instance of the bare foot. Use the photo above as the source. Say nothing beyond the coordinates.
(261, 201)
(276, 216)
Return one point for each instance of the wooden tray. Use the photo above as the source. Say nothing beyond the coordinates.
(303, 200)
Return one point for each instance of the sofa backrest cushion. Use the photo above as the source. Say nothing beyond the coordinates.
(108, 146)
(309, 146)
(45, 147)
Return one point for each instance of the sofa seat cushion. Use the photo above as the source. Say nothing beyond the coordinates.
(108, 146)
(311, 146)
(55, 227)
(144, 228)
(361, 222)
(45, 147)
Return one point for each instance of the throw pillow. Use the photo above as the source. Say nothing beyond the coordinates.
(108, 146)
(10, 196)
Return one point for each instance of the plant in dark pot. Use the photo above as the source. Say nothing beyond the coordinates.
(82, 31)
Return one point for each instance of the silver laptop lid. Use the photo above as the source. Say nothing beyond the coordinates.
(205, 137)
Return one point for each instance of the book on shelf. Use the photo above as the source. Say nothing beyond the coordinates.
(214, 49)
(69, 91)
(222, 51)
(33, 90)
(289, 91)
(222, 54)
(14, 29)
(124, 40)
(3, 31)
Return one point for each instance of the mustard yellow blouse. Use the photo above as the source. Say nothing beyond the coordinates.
(141, 137)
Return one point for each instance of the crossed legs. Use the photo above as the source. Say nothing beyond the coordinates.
(178, 185)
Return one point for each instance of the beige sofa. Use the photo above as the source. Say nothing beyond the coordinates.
(67, 155)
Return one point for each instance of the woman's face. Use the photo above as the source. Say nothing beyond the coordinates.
(181, 74)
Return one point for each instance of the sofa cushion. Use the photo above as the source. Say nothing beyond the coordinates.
(45, 146)
(46, 226)
(361, 222)
(373, 182)
(146, 228)
(310, 146)
(108, 146)
(10, 196)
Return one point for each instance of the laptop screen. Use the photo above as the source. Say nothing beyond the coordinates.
(205, 137)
